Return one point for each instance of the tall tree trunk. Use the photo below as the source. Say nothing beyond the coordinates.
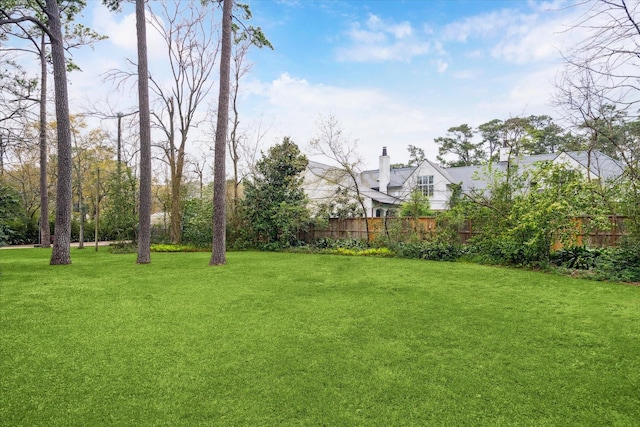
(81, 210)
(2, 150)
(144, 222)
(218, 255)
(176, 165)
(61, 253)
(45, 233)
(176, 205)
(233, 141)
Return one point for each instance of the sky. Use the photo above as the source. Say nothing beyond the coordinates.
(392, 72)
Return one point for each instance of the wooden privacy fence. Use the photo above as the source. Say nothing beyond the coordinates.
(597, 238)
(355, 228)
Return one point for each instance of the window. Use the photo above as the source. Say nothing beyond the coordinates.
(425, 185)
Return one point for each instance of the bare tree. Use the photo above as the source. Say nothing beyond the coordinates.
(332, 144)
(609, 50)
(239, 68)
(192, 47)
(599, 89)
(199, 167)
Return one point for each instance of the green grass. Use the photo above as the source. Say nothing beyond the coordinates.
(296, 339)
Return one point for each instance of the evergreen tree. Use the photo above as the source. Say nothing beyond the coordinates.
(275, 206)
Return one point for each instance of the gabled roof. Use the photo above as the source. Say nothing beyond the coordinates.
(599, 164)
(442, 171)
(334, 173)
(379, 197)
(473, 177)
(468, 177)
(398, 177)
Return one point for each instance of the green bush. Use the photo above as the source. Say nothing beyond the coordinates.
(376, 252)
(197, 227)
(176, 248)
(576, 257)
(329, 243)
(430, 250)
(622, 263)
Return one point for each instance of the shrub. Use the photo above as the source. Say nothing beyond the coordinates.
(576, 257)
(376, 252)
(197, 228)
(430, 250)
(329, 243)
(176, 248)
(622, 263)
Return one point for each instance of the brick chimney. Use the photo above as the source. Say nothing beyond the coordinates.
(384, 175)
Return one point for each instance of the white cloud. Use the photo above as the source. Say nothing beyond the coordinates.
(484, 25)
(121, 30)
(465, 74)
(293, 106)
(519, 37)
(534, 41)
(378, 40)
(441, 65)
(534, 89)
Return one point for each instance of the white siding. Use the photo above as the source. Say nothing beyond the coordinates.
(441, 193)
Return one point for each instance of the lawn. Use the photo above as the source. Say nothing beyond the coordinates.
(296, 339)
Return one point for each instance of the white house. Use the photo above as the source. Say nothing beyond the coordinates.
(385, 188)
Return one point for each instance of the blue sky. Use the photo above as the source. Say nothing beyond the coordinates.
(393, 72)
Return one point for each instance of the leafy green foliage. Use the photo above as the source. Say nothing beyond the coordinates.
(430, 250)
(243, 32)
(459, 142)
(374, 252)
(328, 243)
(576, 257)
(161, 247)
(119, 217)
(342, 205)
(417, 206)
(622, 263)
(523, 213)
(9, 213)
(196, 222)
(123, 248)
(274, 209)
(416, 155)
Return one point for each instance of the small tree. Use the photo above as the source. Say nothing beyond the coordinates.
(274, 209)
(417, 206)
(408, 226)
(119, 216)
(332, 144)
